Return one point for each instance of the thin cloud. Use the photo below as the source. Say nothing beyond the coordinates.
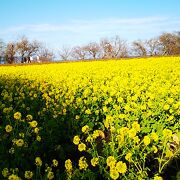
(78, 26)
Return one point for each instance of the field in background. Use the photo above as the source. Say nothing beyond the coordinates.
(98, 120)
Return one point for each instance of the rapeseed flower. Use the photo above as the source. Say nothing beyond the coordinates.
(146, 140)
(38, 161)
(111, 161)
(82, 163)
(20, 142)
(68, 165)
(17, 115)
(94, 161)
(8, 128)
(81, 147)
(76, 140)
(28, 174)
(121, 167)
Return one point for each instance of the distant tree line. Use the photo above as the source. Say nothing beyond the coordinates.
(22, 51)
(25, 51)
(167, 44)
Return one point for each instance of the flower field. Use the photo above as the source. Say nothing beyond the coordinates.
(115, 119)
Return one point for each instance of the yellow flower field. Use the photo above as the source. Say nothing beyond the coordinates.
(115, 119)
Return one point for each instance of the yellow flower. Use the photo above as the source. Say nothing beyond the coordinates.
(105, 109)
(20, 142)
(166, 107)
(77, 117)
(38, 161)
(121, 167)
(36, 130)
(132, 133)
(136, 126)
(155, 149)
(17, 115)
(136, 139)
(154, 136)
(120, 139)
(167, 133)
(29, 117)
(5, 172)
(55, 162)
(85, 129)
(38, 138)
(158, 178)
(170, 118)
(68, 165)
(170, 100)
(33, 124)
(89, 139)
(123, 130)
(48, 169)
(95, 134)
(82, 163)
(81, 147)
(8, 128)
(111, 161)
(28, 174)
(114, 174)
(76, 140)
(128, 157)
(50, 175)
(94, 161)
(169, 154)
(13, 177)
(88, 111)
(146, 140)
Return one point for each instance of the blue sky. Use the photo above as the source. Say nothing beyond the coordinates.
(76, 22)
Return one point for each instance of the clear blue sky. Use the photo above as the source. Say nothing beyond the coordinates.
(76, 22)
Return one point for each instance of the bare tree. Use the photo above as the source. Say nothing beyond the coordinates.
(33, 47)
(169, 43)
(139, 48)
(153, 47)
(65, 53)
(23, 47)
(26, 48)
(79, 52)
(106, 48)
(93, 49)
(114, 47)
(45, 54)
(119, 47)
(10, 52)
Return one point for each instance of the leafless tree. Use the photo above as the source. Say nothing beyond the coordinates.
(26, 48)
(10, 52)
(153, 47)
(106, 48)
(33, 48)
(22, 47)
(93, 50)
(45, 54)
(79, 52)
(65, 53)
(114, 47)
(169, 43)
(139, 48)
